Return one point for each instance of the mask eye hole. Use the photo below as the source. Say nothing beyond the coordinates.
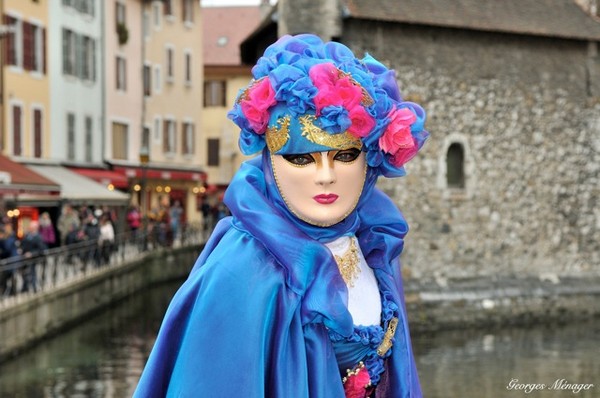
(303, 159)
(347, 155)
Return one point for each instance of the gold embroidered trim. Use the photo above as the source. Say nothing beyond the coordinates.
(278, 134)
(349, 264)
(318, 136)
(386, 343)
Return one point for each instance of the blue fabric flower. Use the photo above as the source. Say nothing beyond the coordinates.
(335, 119)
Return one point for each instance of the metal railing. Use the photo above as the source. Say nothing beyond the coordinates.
(26, 275)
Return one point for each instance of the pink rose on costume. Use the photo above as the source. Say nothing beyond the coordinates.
(323, 75)
(397, 139)
(260, 98)
(358, 385)
(350, 93)
(362, 122)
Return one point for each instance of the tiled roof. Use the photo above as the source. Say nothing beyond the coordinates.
(224, 29)
(554, 18)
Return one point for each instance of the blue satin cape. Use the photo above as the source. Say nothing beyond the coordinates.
(252, 318)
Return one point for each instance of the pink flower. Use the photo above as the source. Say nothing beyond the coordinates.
(257, 118)
(326, 96)
(362, 122)
(397, 139)
(323, 75)
(350, 93)
(358, 384)
(261, 97)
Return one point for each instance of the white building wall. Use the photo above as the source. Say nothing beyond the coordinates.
(70, 93)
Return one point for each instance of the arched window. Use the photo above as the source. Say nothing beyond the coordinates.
(455, 166)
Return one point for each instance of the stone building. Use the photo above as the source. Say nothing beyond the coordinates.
(510, 178)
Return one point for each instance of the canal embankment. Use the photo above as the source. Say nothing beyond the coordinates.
(30, 318)
(501, 301)
(433, 305)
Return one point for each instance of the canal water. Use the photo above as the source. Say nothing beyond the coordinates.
(104, 356)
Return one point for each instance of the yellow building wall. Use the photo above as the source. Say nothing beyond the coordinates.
(216, 125)
(28, 89)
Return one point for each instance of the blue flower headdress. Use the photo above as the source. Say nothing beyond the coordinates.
(309, 96)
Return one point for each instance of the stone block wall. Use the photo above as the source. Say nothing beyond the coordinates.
(525, 114)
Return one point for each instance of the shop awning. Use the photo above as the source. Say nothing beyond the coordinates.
(17, 179)
(103, 176)
(160, 173)
(80, 190)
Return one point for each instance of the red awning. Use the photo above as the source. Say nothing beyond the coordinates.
(16, 178)
(161, 173)
(103, 176)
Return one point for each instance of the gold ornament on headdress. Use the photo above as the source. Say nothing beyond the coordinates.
(319, 136)
(278, 134)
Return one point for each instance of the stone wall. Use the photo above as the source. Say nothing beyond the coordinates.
(524, 111)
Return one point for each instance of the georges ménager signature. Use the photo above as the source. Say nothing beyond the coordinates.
(559, 384)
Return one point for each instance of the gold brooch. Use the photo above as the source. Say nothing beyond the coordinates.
(349, 264)
(386, 343)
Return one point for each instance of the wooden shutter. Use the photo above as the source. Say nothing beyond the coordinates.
(17, 144)
(37, 133)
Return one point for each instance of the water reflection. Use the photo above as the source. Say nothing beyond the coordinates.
(481, 364)
(104, 357)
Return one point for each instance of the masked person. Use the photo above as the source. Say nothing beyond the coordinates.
(299, 292)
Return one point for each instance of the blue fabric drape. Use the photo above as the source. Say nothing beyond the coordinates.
(254, 314)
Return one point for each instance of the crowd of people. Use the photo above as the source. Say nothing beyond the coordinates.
(94, 226)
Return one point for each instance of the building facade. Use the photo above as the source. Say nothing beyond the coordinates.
(224, 75)
(26, 113)
(509, 180)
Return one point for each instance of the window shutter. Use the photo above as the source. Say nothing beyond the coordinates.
(9, 53)
(44, 61)
(17, 145)
(27, 46)
(37, 133)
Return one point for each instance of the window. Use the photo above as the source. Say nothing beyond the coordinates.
(14, 42)
(157, 129)
(121, 73)
(147, 81)
(33, 47)
(187, 138)
(145, 144)
(169, 64)
(120, 16)
(169, 131)
(188, 68)
(146, 24)
(88, 59)
(17, 130)
(37, 133)
(71, 136)
(156, 14)
(188, 11)
(157, 79)
(88, 139)
(168, 7)
(119, 140)
(85, 6)
(213, 151)
(455, 159)
(214, 93)
(68, 47)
